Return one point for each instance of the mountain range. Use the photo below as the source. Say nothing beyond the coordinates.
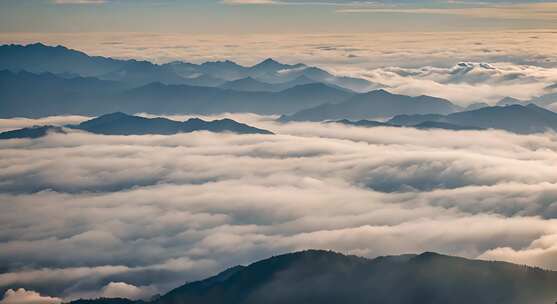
(39, 58)
(514, 118)
(124, 124)
(324, 277)
(55, 95)
(38, 80)
(374, 104)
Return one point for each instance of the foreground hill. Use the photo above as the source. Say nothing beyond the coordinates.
(123, 124)
(375, 104)
(514, 118)
(327, 277)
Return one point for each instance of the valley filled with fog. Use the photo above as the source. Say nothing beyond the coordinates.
(83, 213)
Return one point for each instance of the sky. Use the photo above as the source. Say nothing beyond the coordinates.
(271, 16)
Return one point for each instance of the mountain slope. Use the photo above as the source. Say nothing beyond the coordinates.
(32, 132)
(123, 124)
(159, 99)
(54, 95)
(39, 58)
(375, 104)
(327, 277)
(248, 84)
(421, 125)
(514, 118)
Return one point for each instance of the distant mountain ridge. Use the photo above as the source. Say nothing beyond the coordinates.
(374, 104)
(326, 277)
(54, 95)
(40, 58)
(514, 118)
(124, 124)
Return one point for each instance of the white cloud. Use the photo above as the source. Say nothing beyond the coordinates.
(22, 296)
(123, 290)
(150, 212)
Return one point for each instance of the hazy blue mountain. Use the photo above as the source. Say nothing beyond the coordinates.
(514, 118)
(544, 100)
(39, 58)
(375, 104)
(443, 125)
(139, 73)
(271, 66)
(300, 80)
(30, 95)
(159, 98)
(249, 84)
(507, 101)
(124, 124)
(326, 277)
(420, 125)
(475, 106)
(227, 70)
(364, 123)
(541, 101)
(204, 80)
(183, 69)
(52, 95)
(412, 120)
(32, 132)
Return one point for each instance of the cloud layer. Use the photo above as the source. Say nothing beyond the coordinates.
(84, 215)
(474, 67)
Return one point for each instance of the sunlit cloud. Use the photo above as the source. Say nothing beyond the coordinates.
(143, 214)
(540, 11)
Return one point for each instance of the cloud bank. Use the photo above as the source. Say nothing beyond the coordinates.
(475, 67)
(144, 214)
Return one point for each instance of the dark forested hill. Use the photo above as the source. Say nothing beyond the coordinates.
(327, 277)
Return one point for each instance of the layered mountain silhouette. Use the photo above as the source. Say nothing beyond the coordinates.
(124, 124)
(32, 132)
(39, 58)
(514, 118)
(543, 101)
(419, 125)
(250, 84)
(54, 95)
(324, 277)
(375, 104)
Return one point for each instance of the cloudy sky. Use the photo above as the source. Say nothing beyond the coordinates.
(272, 16)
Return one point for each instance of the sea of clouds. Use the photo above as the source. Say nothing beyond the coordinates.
(464, 67)
(85, 215)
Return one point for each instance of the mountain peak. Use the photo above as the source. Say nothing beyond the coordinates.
(380, 92)
(269, 63)
(509, 101)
